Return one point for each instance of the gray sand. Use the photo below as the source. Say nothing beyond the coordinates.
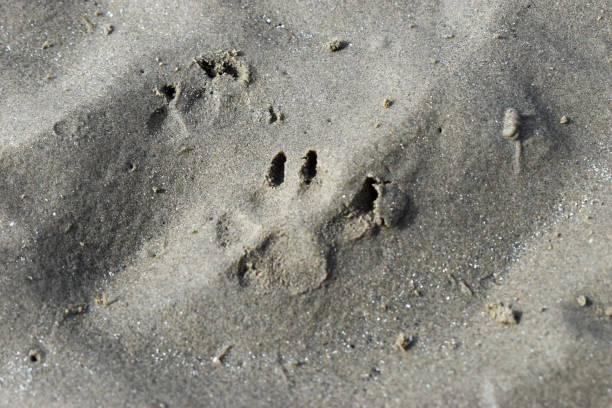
(272, 203)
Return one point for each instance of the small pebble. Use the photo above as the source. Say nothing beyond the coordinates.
(582, 300)
(387, 103)
(564, 120)
(108, 29)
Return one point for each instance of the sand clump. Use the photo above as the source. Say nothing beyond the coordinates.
(502, 314)
(337, 45)
(512, 123)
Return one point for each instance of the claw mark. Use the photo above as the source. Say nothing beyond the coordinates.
(309, 168)
(276, 174)
(273, 116)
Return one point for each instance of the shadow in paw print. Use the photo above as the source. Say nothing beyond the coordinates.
(309, 169)
(156, 119)
(169, 92)
(387, 202)
(276, 173)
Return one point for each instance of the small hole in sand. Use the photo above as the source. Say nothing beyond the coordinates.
(439, 130)
(365, 198)
(169, 92)
(272, 115)
(208, 67)
(276, 174)
(34, 356)
(229, 68)
(309, 168)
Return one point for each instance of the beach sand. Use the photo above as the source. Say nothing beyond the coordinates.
(321, 203)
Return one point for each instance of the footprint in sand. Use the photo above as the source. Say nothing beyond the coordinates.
(293, 258)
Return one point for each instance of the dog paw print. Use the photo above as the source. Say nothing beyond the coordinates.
(200, 93)
(296, 259)
(224, 63)
(290, 260)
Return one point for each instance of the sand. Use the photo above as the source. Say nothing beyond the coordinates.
(271, 203)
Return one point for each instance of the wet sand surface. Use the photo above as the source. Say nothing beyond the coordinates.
(271, 203)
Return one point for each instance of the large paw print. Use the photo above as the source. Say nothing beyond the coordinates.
(295, 258)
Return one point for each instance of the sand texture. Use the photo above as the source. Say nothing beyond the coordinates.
(305, 203)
